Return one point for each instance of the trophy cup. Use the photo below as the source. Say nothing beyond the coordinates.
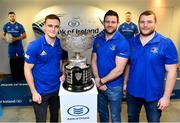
(78, 77)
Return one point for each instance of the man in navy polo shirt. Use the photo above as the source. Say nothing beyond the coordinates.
(15, 46)
(109, 58)
(128, 29)
(151, 56)
(43, 71)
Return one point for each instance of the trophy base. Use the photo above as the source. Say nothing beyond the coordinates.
(78, 88)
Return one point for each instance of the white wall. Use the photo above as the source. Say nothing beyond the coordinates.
(167, 14)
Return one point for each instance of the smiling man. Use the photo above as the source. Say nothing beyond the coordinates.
(109, 58)
(151, 56)
(42, 70)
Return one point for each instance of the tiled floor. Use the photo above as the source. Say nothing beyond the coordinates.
(26, 114)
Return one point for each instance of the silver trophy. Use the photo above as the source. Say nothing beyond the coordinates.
(78, 77)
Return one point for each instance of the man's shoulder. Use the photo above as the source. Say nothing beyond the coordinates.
(19, 24)
(99, 36)
(121, 39)
(162, 38)
(37, 42)
(6, 24)
(123, 23)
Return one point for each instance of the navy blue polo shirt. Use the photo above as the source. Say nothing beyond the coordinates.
(15, 30)
(128, 30)
(147, 66)
(107, 51)
(46, 60)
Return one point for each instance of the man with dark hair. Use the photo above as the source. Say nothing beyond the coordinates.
(128, 29)
(17, 33)
(109, 57)
(43, 70)
(152, 55)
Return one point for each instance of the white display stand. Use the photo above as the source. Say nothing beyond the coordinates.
(78, 106)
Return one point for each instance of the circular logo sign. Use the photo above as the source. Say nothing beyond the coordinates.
(78, 110)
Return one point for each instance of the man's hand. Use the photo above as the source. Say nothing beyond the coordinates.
(99, 85)
(124, 89)
(36, 97)
(103, 88)
(97, 81)
(163, 103)
(14, 39)
(62, 78)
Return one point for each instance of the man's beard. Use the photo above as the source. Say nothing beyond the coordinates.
(109, 33)
(12, 21)
(151, 32)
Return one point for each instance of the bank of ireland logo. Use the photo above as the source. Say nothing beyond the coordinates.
(74, 22)
(78, 110)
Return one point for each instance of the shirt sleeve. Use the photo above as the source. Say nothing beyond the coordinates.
(120, 28)
(95, 45)
(136, 29)
(22, 30)
(171, 55)
(4, 28)
(31, 54)
(123, 50)
(64, 55)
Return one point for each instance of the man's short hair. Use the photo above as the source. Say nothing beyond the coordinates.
(111, 13)
(52, 16)
(147, 13)
(11, 13)
(128, 13)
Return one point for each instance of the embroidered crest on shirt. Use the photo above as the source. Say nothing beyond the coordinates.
(43, 53)
(154, 50)
(16, 27)
(113, 47)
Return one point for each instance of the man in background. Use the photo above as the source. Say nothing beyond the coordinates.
(16, 34)
(128, 29)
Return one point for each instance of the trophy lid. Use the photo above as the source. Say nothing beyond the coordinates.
(76, 42)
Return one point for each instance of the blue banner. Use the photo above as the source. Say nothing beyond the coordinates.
(13, 93)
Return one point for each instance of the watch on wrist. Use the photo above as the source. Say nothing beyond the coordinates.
(100, 82)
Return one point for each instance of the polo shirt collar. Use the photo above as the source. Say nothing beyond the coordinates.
(12, 23)
(152, 41)
(115, 36)
(46, 43)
